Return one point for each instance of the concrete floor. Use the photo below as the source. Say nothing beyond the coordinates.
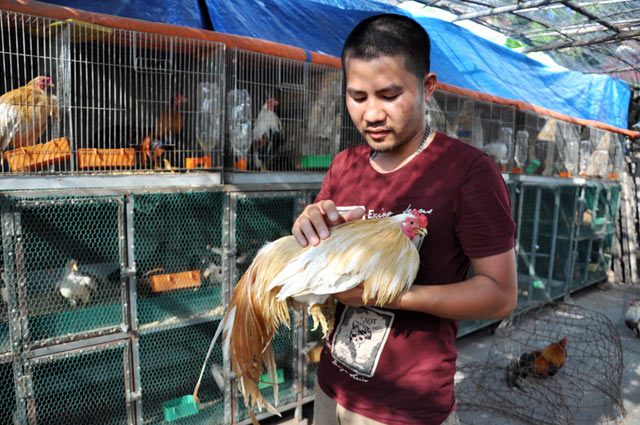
(604, 298)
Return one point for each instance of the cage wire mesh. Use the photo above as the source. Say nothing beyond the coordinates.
(585, 389)
(178, 239)
(68, 256)
(171, 360)
(121, 100)
(261, 218)
(282, 114)
(79, 386)
(7, 391)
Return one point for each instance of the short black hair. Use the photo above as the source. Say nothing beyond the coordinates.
(390, 35)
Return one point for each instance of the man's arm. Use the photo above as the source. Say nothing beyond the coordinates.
(492, 292)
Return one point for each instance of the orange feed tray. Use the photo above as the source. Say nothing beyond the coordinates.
(31, 158)
(106, 158)
(202, 162)
(168, 282)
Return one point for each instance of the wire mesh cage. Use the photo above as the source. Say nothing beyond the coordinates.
(170, 361)
(79, 386)
(65, 272)
(8, 413)
(537, 133)
(112, 100)
(494, 126)
(178, 252)
(554, 364)
(604, 154)
(259, 218)
(282, 114)
(545, 230)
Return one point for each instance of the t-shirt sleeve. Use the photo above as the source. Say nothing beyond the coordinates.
(325, 189)
(482, 211)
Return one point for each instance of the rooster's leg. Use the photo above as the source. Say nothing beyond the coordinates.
(323, 315)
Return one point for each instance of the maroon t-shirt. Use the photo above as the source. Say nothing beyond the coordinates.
(396, 366)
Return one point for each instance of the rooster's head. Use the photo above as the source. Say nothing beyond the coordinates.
(42, 82)
(179, 100)
(414, 224)
(271, 104)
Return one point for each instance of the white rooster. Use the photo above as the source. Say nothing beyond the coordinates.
(632, 316)
(75, 286)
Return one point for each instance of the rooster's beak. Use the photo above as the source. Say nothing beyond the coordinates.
(422, 231)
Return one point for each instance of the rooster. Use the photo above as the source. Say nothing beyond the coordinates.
(378, 253)
(267, 151)
(539, 364)
(76, 286)
(632, 317)
(167, 126)
(24, 112)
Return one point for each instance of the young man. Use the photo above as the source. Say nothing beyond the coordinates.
(395, 365)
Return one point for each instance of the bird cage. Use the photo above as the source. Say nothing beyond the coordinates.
(566, 149)
(258, 218)
(282, 114)
(458, 117)
(540, 147)
(606, 159)
(546, 222)
(553, 364)
(494, 125)
(114, 100)
(435, 111)
(64, 268)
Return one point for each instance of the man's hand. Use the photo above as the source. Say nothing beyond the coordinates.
(351, 297)
(313, 224)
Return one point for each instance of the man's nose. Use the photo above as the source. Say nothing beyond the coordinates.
(374, 112)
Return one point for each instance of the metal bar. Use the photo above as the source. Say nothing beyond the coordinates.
(229, 217)
(554, 239)
(573, 243)
(518, 230)
(622, 35)
(591, 16)
(300, 316)
(502, 9)
(135, 396)
(75, 345)
(534, 237)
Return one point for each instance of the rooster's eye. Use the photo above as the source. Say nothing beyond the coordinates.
(413, 223)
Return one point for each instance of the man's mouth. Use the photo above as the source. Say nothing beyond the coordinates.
(377, 134)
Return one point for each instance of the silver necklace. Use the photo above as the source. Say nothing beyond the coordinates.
(423, 145)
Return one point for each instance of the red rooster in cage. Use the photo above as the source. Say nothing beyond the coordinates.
(542, 363)
(268, 150)
(24, 113)
(378, 253)
(167, 126)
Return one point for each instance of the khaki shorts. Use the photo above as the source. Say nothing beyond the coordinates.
(328, 412)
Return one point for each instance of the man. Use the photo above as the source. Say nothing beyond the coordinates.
(395, 365)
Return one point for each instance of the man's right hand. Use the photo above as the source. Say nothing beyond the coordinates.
(313, 224)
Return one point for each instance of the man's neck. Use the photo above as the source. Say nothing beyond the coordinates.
(387, 162)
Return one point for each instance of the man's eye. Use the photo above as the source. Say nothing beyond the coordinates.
(358, 99)
(390, 97)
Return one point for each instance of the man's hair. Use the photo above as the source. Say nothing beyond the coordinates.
(390, 35)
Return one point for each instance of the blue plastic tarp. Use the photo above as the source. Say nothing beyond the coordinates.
(458, 56)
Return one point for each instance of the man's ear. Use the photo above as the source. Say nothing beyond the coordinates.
(429, 83)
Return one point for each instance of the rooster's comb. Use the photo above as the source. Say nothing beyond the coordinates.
(422, 219)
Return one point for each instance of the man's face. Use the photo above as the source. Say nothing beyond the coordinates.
(386, 102)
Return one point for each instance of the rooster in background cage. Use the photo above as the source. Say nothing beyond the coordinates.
(380, 253)
(542, 363)
(75, 286)
(269, 150)
(167, 126)
(24, 113)
(632, 316)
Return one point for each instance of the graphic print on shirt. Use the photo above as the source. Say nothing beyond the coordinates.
(359, 338)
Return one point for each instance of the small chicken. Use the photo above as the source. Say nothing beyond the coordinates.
(24, 113)
(378, 253)
(76, 286)
(632, 316)
(268, 141)
(167, 126)
(539, 364)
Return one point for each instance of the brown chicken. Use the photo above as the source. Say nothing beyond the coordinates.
(539, 364)
(166, 127)
(24, 112)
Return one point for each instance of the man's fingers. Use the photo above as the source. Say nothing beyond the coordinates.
(330, 211)
(354, 214)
